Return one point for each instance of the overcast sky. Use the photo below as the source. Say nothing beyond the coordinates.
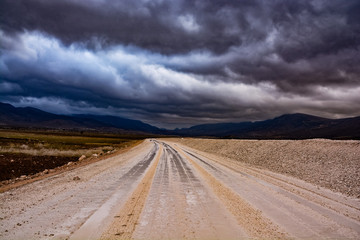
(174, 63)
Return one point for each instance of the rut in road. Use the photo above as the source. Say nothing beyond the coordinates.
(180, 206)
(251, 219)
(126, 220)
(99, 221)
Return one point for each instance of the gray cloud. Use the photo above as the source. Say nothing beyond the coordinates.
(176, 63)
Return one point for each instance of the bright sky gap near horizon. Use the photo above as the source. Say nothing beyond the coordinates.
(179, 63)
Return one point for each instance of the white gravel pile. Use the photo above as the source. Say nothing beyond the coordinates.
(328, 163)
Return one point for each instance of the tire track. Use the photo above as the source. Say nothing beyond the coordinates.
(99, 220)
(125, 222)
(255, 224)
(186, 208)
(192, 185)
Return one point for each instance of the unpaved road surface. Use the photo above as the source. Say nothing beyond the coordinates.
(165, 190)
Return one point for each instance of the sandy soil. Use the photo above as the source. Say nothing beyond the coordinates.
(328, 163)
(166, 190)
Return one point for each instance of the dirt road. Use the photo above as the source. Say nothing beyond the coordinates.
(164, 190)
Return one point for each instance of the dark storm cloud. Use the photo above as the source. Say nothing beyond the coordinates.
(181, 26)
(162, 26)
(182, 62)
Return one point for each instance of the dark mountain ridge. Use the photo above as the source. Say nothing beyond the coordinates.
(124, 123)
(28, 117)
(288, 126)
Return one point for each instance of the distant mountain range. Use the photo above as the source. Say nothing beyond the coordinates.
(289, 126)
(124, 123)
(29, 117)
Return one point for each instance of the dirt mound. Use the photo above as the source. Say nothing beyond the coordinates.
(327, 163)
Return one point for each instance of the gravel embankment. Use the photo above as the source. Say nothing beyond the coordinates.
(327, 163)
